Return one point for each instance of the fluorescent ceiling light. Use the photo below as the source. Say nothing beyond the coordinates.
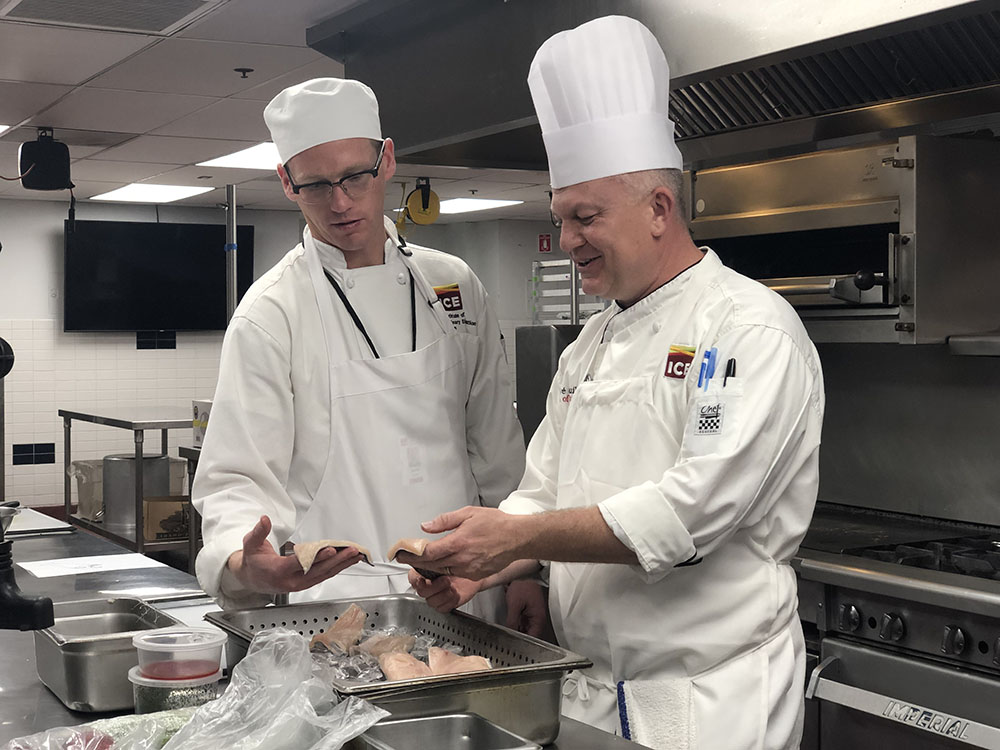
(4, 127)
(465, 205)
(261, 156)
(147, 193)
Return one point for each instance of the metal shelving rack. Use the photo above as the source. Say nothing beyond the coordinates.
(137, 421)
(552, 301)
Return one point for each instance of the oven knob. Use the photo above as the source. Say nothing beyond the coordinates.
(953, 641)
(892, 628)
(850, 618)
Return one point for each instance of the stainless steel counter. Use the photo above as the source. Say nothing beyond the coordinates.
(27, 706)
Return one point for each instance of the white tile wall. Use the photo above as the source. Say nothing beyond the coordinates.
(89, 372)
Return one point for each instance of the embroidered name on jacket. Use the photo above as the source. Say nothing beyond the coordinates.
(451, 300)
(679, 361)
(710, 419)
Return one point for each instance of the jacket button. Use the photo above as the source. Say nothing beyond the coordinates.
(401, 278)
(350, 283)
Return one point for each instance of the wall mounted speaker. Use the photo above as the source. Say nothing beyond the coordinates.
(44, 163)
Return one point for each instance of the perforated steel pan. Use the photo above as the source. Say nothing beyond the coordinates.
(522, 693)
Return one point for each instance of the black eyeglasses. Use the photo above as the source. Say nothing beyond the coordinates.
(354, 185)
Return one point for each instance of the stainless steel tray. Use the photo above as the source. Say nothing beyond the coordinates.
(452, 731)
(522, 693)
(84, 658)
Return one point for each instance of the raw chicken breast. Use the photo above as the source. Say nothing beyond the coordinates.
(443, 661)
(345, 632)
(307, 551)
(397, 666)
(416, 547)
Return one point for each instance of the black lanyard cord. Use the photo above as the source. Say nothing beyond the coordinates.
(357, 321)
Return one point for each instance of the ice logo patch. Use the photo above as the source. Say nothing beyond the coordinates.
(679, 361)
(710, 419)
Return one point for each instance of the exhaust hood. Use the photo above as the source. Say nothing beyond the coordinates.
(748, 80)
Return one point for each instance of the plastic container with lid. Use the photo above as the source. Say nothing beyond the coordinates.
(179, 653)
(163, 695)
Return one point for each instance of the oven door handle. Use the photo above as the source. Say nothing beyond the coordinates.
(933, 722)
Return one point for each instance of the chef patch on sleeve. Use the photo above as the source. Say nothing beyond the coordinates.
(679, 361)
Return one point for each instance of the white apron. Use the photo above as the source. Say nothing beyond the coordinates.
(619, 621)
(398, 453)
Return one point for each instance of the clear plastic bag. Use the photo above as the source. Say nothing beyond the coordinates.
(145, 732)
(274, 701)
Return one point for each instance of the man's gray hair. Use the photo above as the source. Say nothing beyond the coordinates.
(641, 184)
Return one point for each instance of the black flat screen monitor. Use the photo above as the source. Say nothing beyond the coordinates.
(139, 276)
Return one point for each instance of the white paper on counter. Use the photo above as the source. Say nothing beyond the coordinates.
(95, 564)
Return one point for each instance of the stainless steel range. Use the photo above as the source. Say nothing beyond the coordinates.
(899, 573)
(906, 645)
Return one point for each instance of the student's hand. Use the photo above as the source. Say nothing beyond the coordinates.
(260, 568)
(528, 608)
(444, 593)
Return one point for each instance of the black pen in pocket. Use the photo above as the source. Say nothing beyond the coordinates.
(730, 371)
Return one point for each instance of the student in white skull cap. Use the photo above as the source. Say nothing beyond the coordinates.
(676, 470)
(352, 402)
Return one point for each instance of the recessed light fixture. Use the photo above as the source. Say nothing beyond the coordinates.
(142, 192)
(465, 205)
(261, 156)
(4, 127)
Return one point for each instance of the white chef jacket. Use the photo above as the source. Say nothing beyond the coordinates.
(267, 447)
(727, 477)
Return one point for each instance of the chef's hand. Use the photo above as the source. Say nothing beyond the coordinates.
(444, 593)
(483, 541)
(260, 568)
(528, 608)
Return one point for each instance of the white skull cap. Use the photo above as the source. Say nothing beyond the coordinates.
(601, 92)
(319, 111)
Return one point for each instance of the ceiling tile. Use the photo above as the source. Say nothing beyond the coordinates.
(71, 56)
(268, 183)
(171, 150)
(536, 193)
(321, 68)
(464, 188)
(215, 176)
(205, 68)
(240, 119)
(265, 21)
(115, 171)
(82, 152)
(120, 111)
(19, 101)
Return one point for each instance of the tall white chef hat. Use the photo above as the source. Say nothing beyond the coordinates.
(601, 93)
(321, 110)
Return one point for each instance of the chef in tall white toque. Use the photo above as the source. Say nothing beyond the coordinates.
(363, 385)
(676, 470)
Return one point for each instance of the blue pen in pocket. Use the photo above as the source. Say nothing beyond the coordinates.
(708, 367)
(702, 380)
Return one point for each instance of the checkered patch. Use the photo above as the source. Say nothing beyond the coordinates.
(710, 418)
